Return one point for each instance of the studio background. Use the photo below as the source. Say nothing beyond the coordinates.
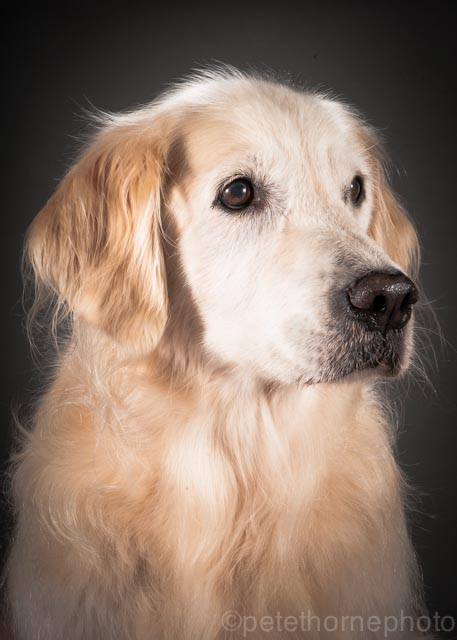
(396, 62)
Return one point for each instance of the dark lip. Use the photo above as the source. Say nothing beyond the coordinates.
(387, 366)
(380, 370)
(385, 359)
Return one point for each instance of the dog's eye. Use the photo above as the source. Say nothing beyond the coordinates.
(356, 191)
(237, 195)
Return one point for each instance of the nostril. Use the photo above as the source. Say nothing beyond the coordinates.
(406, 303)
(409, 299)
(380, 303)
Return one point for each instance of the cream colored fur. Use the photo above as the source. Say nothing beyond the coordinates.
(193, 455)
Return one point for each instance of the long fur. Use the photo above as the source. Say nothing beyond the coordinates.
(163, 483)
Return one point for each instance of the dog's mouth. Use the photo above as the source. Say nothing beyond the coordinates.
(353, 351)
(386, 353)
(369, 327)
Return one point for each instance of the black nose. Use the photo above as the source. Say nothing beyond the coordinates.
(382, 301)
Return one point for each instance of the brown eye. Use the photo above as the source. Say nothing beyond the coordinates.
(237, 195)
(356, 190)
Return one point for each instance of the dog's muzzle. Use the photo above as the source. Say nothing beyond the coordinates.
(376, 309)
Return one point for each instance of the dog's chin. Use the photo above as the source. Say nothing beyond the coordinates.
(383, 370)
(381, 357)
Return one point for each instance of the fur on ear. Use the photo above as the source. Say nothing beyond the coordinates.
(390, 227)
(96, 245)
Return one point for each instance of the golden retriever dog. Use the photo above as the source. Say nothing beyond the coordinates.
(212, 458)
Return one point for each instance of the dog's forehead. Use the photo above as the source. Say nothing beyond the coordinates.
(268, 121)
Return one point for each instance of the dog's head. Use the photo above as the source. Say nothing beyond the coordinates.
(273, 206)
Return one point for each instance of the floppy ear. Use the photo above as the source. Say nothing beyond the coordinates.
(97, 242)
(391, 227)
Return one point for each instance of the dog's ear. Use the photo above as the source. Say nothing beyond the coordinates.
(97, 242)
(391, 227)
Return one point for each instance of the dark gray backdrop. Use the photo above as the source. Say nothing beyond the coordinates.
(395, 62)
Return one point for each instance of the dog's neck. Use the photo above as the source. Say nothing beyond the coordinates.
(242, 477)
(232, 400)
